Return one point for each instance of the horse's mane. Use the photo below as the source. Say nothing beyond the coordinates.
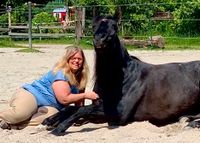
(132, 57)
(109, 62)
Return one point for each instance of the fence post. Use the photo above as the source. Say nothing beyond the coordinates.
(30, 24)
(150, 28)
(9, 17)
(83, 18)
(9, 9)
(78, 26)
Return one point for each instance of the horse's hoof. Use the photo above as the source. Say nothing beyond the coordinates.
(187, 128)
(41, 127)
(45, 122)
(48, 122)
(183, 119)
(50, 128)
(57, 132)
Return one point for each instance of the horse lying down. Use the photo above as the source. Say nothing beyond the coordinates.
(132, 90)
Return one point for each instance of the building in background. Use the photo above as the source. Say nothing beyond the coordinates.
(64, 14)
(60, 14)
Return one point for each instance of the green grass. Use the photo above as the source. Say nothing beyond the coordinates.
(176, 43)
(5, 43)
(29, 50)
(183, 43)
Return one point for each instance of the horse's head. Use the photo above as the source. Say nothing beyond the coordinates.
(105, 30)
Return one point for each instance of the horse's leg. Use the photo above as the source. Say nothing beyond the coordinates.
(128, 104)
(60, 116)
(193, 121)
(92, 113)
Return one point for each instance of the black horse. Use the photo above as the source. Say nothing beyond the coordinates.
(132, 90)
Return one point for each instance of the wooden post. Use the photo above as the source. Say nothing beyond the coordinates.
(78, 27)
(30, 24)
(83, 18)
(9, 19)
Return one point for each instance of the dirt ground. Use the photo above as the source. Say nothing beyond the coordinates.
(19, 68)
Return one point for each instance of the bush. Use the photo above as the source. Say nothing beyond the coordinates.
(44, 19)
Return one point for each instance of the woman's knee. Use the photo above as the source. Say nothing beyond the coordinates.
(42, 113)
(15, 117)
(47, 110)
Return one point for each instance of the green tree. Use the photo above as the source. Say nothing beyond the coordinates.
(187, 18)
(43, 18)
(4, 20)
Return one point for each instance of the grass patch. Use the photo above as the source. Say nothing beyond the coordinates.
(63, 40)
(8, 43)
(179, 43)
(29, 50)
(172, 43)
(85, 43)
(5, 43)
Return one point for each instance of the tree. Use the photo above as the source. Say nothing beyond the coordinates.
(187, 17)
(16, 3)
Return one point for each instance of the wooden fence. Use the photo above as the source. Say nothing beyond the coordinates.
(21, 31)
(40, 34)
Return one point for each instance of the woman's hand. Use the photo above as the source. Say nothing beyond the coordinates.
(91, 95)
(64, 96)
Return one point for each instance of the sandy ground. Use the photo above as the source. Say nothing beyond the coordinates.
(19, 68)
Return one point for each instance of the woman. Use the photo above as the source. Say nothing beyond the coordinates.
(63, 85)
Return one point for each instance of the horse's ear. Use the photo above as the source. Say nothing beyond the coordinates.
(95, 19)
(96, 14)
(118, 14)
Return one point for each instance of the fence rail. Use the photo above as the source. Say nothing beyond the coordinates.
(40, 34)
(22, 35)
(38, 28)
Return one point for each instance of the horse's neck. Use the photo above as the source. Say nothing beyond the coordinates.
(115, 58)
(109, 66)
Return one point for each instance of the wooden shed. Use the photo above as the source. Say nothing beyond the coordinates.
(60, 14)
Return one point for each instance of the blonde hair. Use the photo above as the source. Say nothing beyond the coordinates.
(78, 79)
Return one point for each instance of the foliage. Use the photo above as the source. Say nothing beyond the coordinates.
(43, 19)
(101, 7)
(16, 3)
(4, 43)
(50, 6)
(19, 14)
(4, 20)
(187, 18)
(137, 15)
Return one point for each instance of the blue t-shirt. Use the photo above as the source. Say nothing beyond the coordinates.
(43, 91)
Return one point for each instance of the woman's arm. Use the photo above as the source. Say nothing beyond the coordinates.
(81, 102)
(64, 96)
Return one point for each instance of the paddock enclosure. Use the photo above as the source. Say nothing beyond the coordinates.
(18, 68)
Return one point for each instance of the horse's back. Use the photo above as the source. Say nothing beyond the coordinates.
(169, 90)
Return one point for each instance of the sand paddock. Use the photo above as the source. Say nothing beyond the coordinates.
(19, 68)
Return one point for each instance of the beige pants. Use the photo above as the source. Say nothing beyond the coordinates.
(24, 111)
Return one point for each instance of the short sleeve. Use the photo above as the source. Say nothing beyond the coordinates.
(60, 76)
